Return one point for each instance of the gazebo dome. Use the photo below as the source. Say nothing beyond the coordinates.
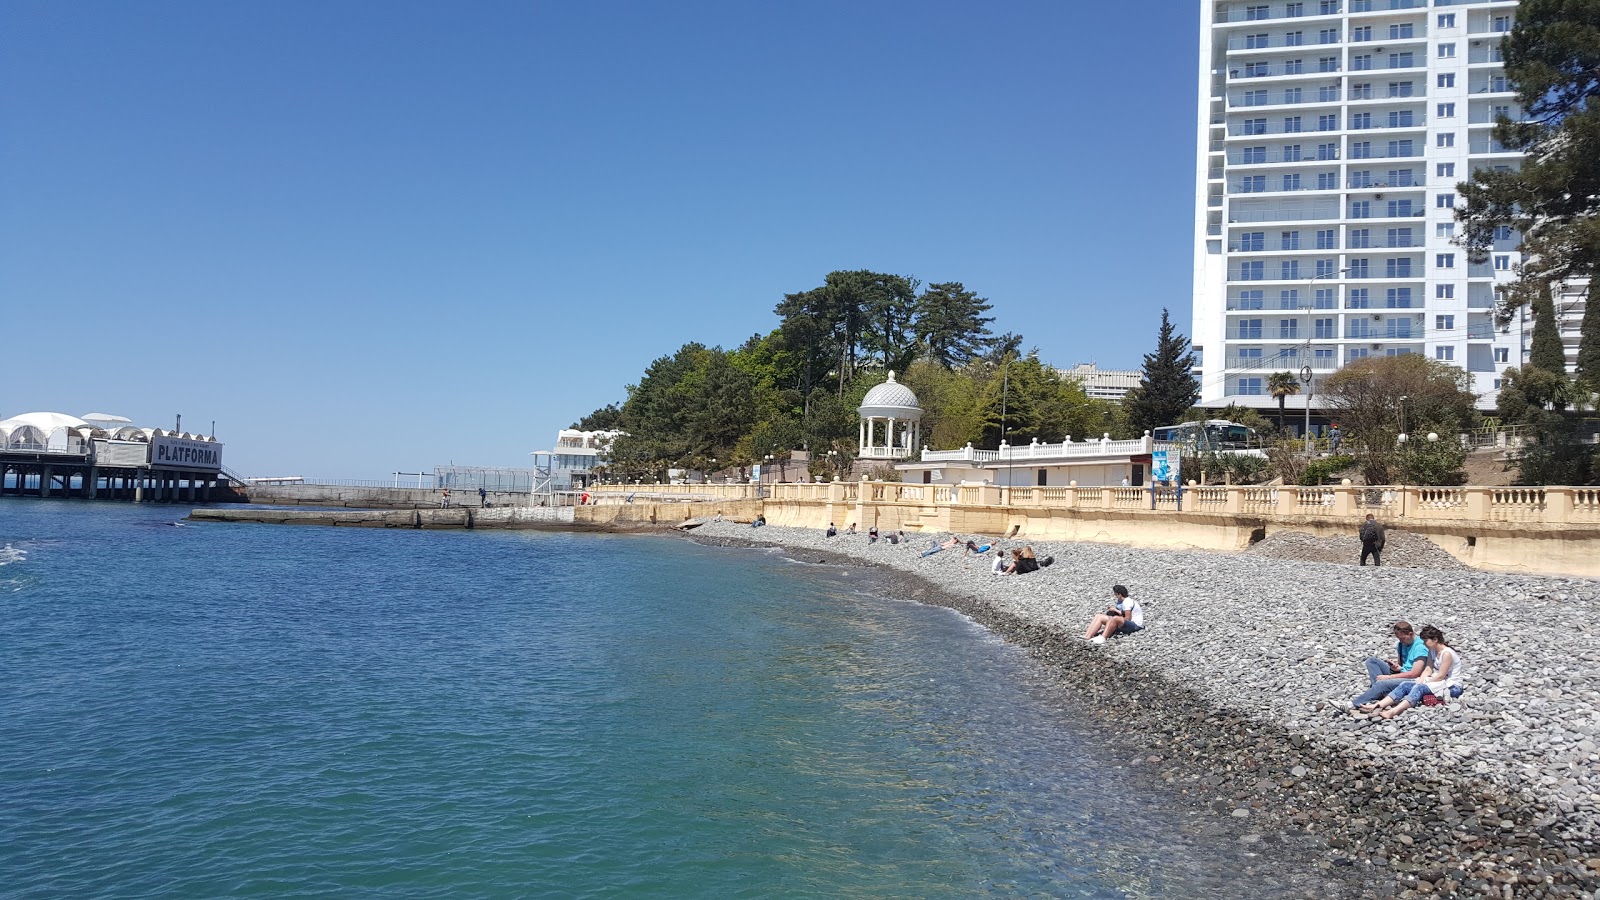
(891, 421)
(890, 398)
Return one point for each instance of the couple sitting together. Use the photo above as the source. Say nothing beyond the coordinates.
(1420, 669)
(1125, 615)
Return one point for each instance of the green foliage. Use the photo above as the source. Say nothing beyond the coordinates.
(1211, 467)
(1552, 56)
(951, 325)
(1432, 463)
(1030, 401)
(1168, 386)
(1282, 385)
(1327, 470)
(1373, 395)
(1546, 352)
(1553, 451)
(606, 418)
(1589, 345)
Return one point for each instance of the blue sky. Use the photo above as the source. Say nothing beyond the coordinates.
(366, 237)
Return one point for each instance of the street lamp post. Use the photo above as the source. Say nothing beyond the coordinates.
(1306, 371)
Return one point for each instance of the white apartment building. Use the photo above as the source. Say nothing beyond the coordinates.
(1332, 136)
(1103, 384)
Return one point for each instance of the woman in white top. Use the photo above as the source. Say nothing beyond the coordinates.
(1441, 678)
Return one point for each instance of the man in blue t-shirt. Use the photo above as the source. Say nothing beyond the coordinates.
(1411, 656)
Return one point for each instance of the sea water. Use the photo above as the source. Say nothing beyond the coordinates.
(210, 710)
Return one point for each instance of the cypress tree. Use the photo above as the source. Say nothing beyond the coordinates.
(1589, 345)
(1546, 352)
(1168, 387)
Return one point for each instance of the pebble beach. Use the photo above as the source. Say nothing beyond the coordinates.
(1227, 694)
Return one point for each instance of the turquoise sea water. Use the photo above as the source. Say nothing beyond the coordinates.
(235, 710)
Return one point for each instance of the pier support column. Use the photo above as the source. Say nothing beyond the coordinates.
(44, 481)
(90, 484)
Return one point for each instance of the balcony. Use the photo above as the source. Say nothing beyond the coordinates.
(1267, 12)
(1283, 214)
(1361, 6)
(1486, 55)
(1273, 71)
(1242, 129)
(1487, 145)
(1413, 61)
(1245, 156)
(1490, 86)
(1277, 363)
(1283, 98)
(1374, 184)
(1274, 186)
(1411, 152)
(1309, 245)
(1491, 116)
(1387, 330)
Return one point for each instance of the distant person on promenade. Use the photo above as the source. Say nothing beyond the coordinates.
(1384, 675)
(1371, 535)
(444, 499)
(1441, 679)
(1124, 616)
(483, 497)
(1335, 438)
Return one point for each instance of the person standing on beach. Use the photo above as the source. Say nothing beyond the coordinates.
(1371, 535)
(1384, 675)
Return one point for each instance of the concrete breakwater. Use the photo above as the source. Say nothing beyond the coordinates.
(1221, 699)
(451, 517)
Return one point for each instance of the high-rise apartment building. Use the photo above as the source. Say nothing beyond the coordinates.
(1333, 134)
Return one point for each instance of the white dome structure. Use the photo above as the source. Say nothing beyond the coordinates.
(891, 421)
(43, 431)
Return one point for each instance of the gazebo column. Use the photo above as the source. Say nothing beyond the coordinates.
(889, 444)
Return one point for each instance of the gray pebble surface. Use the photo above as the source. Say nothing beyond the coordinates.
(1272, 634)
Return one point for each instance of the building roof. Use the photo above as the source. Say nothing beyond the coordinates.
(889, 398)
(45, 421)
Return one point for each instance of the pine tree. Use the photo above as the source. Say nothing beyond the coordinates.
(1168, 387)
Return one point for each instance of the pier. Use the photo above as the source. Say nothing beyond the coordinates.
(53, 455)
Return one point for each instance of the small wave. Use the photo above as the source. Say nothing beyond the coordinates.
(10, 554)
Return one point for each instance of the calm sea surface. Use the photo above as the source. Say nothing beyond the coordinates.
(238, 710)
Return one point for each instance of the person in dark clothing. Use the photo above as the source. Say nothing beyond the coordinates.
(1371, 535)
(831, 530)
(483, 497)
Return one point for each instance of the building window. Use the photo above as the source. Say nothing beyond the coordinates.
(1291, 124)
(1397, 268)
(1327, 181)
(1360, 238)
(1359, 121)
(1328, 36)
(1402, 60)
(1327, 239)
(1445, 170)
(1361, 91)
(1355, 353)
(1447, 79)
(1249, 300)
(1361, 209)
(1327, 123)
(1445, 201)
(1497, 383)
(1259, 11)
(1444, 261)
(1289, 299)
(1447, 110)
(1328, 64)
(1255, 42)
(1360, 298)
(1289, 240)
(1401, 149)
(1327, 7)
(1447, 20)
(1327, 93)
(1294, 10)
(1444, 323)
(1361, 33)
(1327, 151)
(1502, 354)
(1288, 269)
(1294, 66)
(1444, 229)
(1360, 63)
(1398, 298)
(1291, 153)
(1502, 262)
(1294, 38)
(1327, 298)
(1359, 267)
(1447, 139)
(1401, 119)
(1447, 51)
(1250, 330)
(1250, 386)
(1401, 88)
(1252, 184)
(1400, 32)
(1502, 232)
(1444, 291)
(1501, 24)
(1253, 271)
(1253, 155)
(1292, 95)
(1255, 126)
(1399, 237)
(1326, 268)
(1289, 329)
(1398, 209)
(1253, 241)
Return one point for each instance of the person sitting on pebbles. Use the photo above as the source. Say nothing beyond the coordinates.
(1442, 679)
(1125, 615)
(1384, 675)
(831, 530)
(850, 529)
(999, 567)
(872, 535)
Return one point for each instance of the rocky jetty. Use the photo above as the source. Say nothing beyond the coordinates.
(1225, 697)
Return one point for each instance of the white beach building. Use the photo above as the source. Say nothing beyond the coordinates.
(1332, 135)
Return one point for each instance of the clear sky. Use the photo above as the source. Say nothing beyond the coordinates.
(375, 236)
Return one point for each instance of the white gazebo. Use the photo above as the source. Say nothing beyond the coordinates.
(891, 422)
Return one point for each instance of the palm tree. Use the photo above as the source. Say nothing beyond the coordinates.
(1281, 385)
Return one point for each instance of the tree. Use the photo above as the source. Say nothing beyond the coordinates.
(606, 418)
(951, 325)
(1552, 56)
(1552, 452)
(1168, 386)
(1589, 345)
(1372, 396)
(1546, 351)
(1281, 385)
